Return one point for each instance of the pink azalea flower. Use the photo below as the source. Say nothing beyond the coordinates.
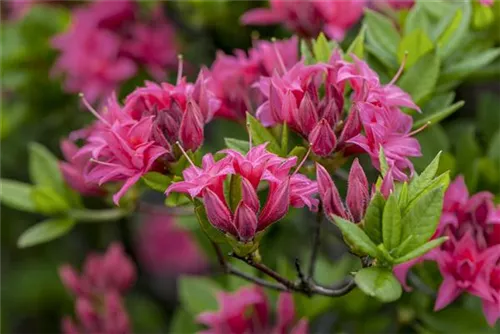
(357, 198)
(73, 170)
(309, 18)
(257, 165)
(491, 306)
(247, 311)
(105, 45)
(233, 76)
(487, 3)
(166, 249)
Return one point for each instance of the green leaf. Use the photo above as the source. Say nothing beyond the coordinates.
(356, 238)
(372, 222)
(17, 195)
(468, 151)
(439, 115)
(44, 168)
(197, 294)
(421, 250)
(417, 18)
(306, 53)
(262, 135)
(299, 152)
(446, 27)
(381, 32)
(157, 181)
(97, 216)
(415, 45)
(182, 322)
(422, 218)
(321, 49)
(494, 149)
(234, 191)
(419, 183)
(488, 117)
(469, 65)
(45, 231)
(357, 45)
(403, 195)
(391, 223)
(420, 79)
(454, 35)
(384, 166)
(284, 140)
(48, 201)
(379, 283)
(241, 146)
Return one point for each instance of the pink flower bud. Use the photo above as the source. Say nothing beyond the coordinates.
(357, 192)
(322, 139)
(387, 184)
(306, 116)
(118, 268)
(276, 205)
(191, 129)
(352, 126)
(68, 326)
(275, 102)
(286, 312)
(70, 279)
(115, 317)
(217, 212)
(87, 315)
(249, 196)
(332, 204)
(289, 107)
(333, 108)
(245, 221)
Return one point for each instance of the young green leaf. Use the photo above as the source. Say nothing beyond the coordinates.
(422, 181)
(403, 195)
(321, 48)
(299, 152)
(381, 32)
(17, 195)
(157, 181)
(234, 191)
(421, 250)
(372, 222)
(44, 168)
(384, 166)
(379, 283)
(446, 27)
(357, 46)
(391, 223)
(197, 294)
(417, 18)
(420, 79)
(284, 139)
(241, 146)
(45, 231)
(261, 135)
(48, 201)
(415, 45)
(438, 116)
(356, 238)
(305, 52)
(467, 66)
(454, 35)
(423, 216)
(183, 322)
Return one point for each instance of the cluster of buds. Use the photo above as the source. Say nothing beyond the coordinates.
(294, 98)
(470, 260)
(98, 290)
(247, 311)
(246, 218)
(128, 141)
(233, 77)
(309, 18)
(105, 46)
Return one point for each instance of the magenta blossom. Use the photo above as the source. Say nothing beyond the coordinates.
(106, 44)
(99, 306)
(246, 311)
(309, 18)
(469, 260)
(166, 249)
(233, 76)
(248, 217)
(357, 198)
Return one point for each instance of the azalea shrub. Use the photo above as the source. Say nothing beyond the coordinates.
(251, 167)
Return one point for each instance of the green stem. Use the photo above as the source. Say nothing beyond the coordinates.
(97, 216)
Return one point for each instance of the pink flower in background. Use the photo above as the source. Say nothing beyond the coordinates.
(395, 4)
(487, 3)
(247, 311)
(248, 217)
(233, 76)
(469, 260)
(107, 43)
(164, 248)
(16, 9)
(98, 290)
(309, 18)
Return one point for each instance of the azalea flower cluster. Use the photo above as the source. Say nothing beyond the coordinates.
(247, 311)
(248, 217)
(128, 141)
(98, 291)
(470, 260)
(105, 46)
(294, 98)
(309, 18)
